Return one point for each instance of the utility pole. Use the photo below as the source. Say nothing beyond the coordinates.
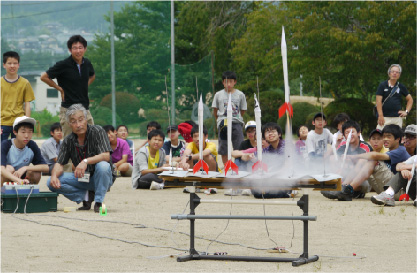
(112, 64)
(172, 65)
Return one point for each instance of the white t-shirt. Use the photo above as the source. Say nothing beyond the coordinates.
(410, 160)
(220, 101)
(317, 143)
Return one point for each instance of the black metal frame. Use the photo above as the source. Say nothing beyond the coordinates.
(303, 259)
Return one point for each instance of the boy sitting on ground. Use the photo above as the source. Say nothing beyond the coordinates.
(152, 125)
(50, 148)
(249, 143)
(17, 154)
(192, 154)
(121, 156)
(356, 146)
(398, 181)
(377, 142)
(177, 146)
(410, 139)
(148, 162)
(379, 168)
(318, 138)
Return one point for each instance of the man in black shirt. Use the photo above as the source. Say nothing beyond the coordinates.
(89, 149)
(389, 105)
(74, 75)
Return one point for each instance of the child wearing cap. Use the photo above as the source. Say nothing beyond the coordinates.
(410, 139)
(249, 143)
(176, 145)
(377, 142)
(18, 153)
(318, 138)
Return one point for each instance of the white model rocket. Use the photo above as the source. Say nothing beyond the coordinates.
(258, 164)
(347, 146)
(405, 195)
(230, 164)
(286, 107)
(201, 163)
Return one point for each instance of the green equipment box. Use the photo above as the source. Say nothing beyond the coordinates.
(38, 202)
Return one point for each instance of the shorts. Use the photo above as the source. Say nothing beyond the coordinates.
(380, 177)
(237, 138)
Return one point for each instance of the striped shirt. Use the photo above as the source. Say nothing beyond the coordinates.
(96, 142)
(362, 148)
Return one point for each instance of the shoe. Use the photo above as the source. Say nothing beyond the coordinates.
(246, 192)
(358, 195)
(233, 192)
(87, 204)
(97, 207)
(330, 194)
(156, 186)
(211, 191)
(346, 194)
(383, 199)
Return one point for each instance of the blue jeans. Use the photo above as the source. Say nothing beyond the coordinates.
(75, 191)
(7, 130)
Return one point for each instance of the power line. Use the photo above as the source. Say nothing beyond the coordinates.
(54, 11)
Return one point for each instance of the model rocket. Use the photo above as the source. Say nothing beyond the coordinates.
(230, 164)
(347, 146)
(286, 107)
(201, 164)
(259, 165)
(406, 196)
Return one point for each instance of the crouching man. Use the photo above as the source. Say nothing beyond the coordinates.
(89, 149)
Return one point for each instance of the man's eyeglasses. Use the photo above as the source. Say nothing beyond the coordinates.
(410, 137)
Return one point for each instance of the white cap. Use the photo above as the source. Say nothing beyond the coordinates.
(24, 119)
(411, 129)
(250, 123)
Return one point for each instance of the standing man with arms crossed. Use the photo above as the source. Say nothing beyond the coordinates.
(388, 103)
(74, 75)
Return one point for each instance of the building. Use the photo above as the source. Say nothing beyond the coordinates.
(45, 97)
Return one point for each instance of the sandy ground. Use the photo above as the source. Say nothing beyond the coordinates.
(138, 235)
(383, 239)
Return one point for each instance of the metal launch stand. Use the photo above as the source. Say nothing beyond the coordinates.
(195, 201)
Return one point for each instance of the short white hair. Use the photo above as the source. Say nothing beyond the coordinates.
(395, 65)
(73, 109)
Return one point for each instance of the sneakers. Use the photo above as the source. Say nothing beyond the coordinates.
(330, 194)
(346, 194)
(156, 186)
(246, 192)
(211, 191)
(358, 195)
(383, 199)
(197, 190)
(233, 192)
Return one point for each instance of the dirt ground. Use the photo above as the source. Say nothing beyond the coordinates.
(383, 238)
(138, 235)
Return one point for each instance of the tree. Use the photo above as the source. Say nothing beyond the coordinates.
(210, 26)
(348, 44)
(142, 53)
